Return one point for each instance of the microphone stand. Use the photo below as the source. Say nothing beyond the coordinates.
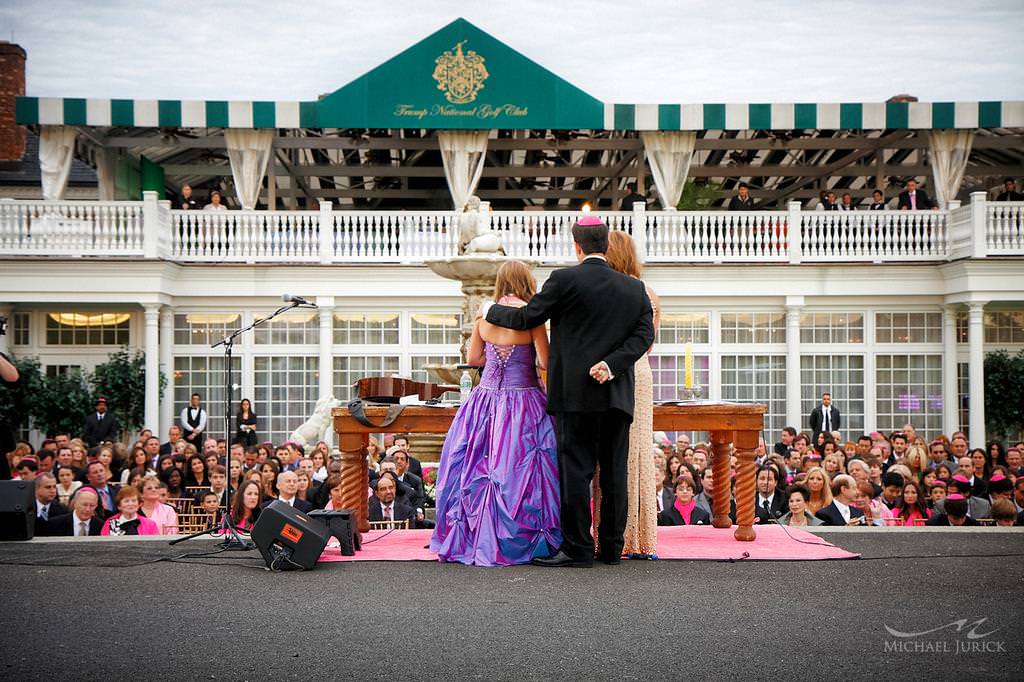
(226, 525)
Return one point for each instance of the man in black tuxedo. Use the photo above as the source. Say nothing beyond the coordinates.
(914, 199)
(601, 324)
(384, 507)
(287, 487)
(47, 506)
(877, 201)
(82, 520)
(97, 476)
(1010, 192)
(825, 417)
(841, 512)
(769, 504)
(100, 426)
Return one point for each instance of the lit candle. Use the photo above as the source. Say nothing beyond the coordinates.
(688, 367)
(586, 207)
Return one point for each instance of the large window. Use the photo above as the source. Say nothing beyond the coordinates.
(87, 329)
(759, 379)
(205, 375)
(683, 328)
(843, 377)
(754, 327)
(355, 329)
(204, 329)
(1004, 327)
(349, 369)
(670, 375)
(909, 389)
(286, 393)
(832, 328)
(20, 324)
(908, 327)
(963, 387)
(436, 328)
(294, 328)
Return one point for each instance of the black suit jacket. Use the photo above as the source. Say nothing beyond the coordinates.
(401, 511)
(101, 511)
(668, 497)
(941, 519)
(923, 202)
(778, 507)
(817, 420)
(833, 517)
(45, 528)
(596, 314)
(64, 525)
(95, 430)
(737, 204)
(417, 496)
(672, 517)
(299, 505)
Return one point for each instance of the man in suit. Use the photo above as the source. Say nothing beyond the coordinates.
(769, 504)
(82, 520)
(913, 199)
(632, 198)
(384, 507)
(664, 495)
(825, 417)
(601, 324)
(97, 475)
(828, 202)
(193, 421)
(877, 201)
(402, 443)
(1010, 192)
(785, 444)
(173, 436)
(954, 513)
(742, 201)
(705, 499)
(287, 487)
(100, 426)
(47, 506)
(842, 512)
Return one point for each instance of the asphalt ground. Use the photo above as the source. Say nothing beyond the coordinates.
(226, 618)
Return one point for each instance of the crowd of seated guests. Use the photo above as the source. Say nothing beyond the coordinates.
(149, 488)
(896, 479)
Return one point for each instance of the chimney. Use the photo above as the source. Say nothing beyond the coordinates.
(12, 85)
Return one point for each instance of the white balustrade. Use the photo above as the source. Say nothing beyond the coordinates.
(1005, 227)
(874, 235)
(152, 230)
(69, 228)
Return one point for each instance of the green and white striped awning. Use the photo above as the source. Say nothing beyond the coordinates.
(837, 116)
(153, 113)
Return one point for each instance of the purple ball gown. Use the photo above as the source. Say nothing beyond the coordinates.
(497, 485)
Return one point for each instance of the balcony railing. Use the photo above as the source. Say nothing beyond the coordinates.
(150, 229)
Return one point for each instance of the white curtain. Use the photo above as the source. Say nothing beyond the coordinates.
(106, 173)
(462, 153)
(56, 153)
(249, 152)
(669, 154)
(949, 152)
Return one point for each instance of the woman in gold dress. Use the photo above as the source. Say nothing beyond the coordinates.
(641, 535)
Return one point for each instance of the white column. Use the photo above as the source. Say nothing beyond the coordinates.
(793, 397)
(795, 234)
(714, 356)
(167, 367)
(976, 345)
(950, 387)
(326, 304)
(640, 230)
(870, 375)
(152, 348)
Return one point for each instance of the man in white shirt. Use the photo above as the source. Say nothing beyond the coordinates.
(46, 506)
(841, 511)
(193, 420)
(770, 504)
(825, 417)
(82, 520)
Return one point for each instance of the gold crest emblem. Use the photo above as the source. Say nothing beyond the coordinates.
(460, 75)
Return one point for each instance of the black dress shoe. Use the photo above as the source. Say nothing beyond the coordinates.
(560, 559)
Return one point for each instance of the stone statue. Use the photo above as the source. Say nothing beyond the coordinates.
(314, 428)
(475, 234)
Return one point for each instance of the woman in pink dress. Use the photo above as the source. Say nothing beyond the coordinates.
(163, 515)
(912, 510)
(128, 521)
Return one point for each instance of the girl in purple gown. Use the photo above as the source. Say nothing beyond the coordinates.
(497, 486)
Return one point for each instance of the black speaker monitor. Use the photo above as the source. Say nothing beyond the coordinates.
(287, 538)
(17, 510)
(341, 523)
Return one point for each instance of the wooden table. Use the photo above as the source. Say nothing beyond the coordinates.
(731, 425)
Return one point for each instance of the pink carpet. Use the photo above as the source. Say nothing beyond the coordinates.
(674, 542)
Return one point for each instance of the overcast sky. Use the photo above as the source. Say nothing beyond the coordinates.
(673, 51)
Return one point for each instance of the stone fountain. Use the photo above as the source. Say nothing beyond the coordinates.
(481, 254)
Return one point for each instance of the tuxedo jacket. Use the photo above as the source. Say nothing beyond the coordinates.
(833, 517)
(778, 507)
(596, 314)
(817, 419)
(96, 430)
(64, 525)
(672, 517)
(400, 511)
(299, 505)
(923, 202)
(45, 528)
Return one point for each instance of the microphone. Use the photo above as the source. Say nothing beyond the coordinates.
(298, 300)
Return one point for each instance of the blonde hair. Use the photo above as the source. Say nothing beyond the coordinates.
(815, 505)
(621, 254)
(514, 279)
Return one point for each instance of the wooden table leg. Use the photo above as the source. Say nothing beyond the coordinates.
(355, 476)
(746, 483)
(720, 450)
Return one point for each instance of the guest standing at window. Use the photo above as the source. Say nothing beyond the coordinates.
(245, 425)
